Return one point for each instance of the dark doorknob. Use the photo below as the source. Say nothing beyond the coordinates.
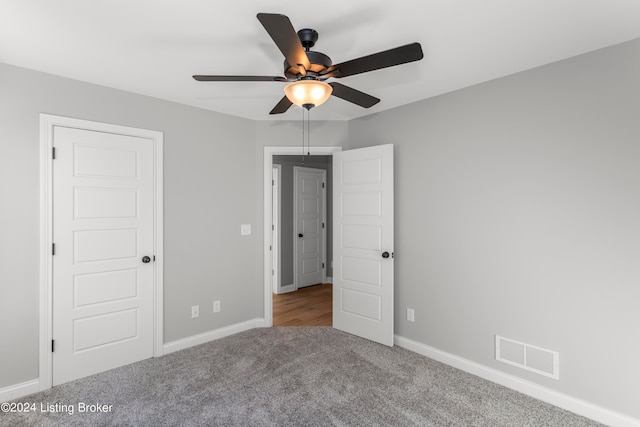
(146, 259)
(385, 254)
(300, 235)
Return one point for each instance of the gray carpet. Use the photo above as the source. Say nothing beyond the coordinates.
(291, 376)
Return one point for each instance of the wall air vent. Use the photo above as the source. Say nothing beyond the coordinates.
(529, 357)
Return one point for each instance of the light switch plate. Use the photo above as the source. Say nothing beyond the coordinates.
(245, 229)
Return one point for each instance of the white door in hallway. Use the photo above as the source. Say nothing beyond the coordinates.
(363, 242)
(103, 227)
(309, 214)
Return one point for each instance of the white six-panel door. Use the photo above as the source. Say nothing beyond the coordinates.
(309, 230)
(103, 225)
(363, 242)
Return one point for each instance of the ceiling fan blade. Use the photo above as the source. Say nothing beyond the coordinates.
(285, 37)
(202, 78)
(388, 58)
(352, 95)
(282, 106)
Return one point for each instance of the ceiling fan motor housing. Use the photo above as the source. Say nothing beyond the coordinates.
(319, 61)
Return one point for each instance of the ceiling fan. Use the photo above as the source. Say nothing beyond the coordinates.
(307, 70)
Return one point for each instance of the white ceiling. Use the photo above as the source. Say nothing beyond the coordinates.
(153, 47)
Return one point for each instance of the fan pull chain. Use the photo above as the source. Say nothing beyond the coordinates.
(308, 134)
(303, 137)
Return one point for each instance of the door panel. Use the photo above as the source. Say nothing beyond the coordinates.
(361, 304)
(363, 231)
(309, 217)
(100, 245)
(103, 162)
(103, 224)
(105, 203)
(114, 326)
(356, 236)
(96, 288)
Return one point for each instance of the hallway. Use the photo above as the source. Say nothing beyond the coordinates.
(309, 306)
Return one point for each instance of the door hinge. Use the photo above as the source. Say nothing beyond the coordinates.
(273, 182)
(273, 227)
(53, 153)
(53, 249)
(323, 265)
(273, 272)
(323, 225)
(154, 258)
(323, 185)
(270, 247)
(52, 345)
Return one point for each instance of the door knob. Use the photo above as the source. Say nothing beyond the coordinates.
(146, 259)
(300, 235)
(385, 254)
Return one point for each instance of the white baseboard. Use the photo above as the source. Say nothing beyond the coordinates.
(205, 337)
(16, 391)
(537, 391)
(329, 280)
(288, 288)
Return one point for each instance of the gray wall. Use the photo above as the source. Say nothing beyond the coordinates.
(205, 201)
(518, 213)
(286, 210)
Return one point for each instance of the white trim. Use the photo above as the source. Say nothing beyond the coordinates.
(206, 337)
(47, 124)
(276, 250)
(288, 288)
(46, 239)
(19, 390)
(329, 279)
(269, 152)
(537, 391)
(323, 238)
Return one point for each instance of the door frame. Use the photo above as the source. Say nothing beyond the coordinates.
(269, 152)
(47, 124)
(276, 263)
(323, 234)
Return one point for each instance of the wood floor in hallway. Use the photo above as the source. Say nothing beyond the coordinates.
(310, 306)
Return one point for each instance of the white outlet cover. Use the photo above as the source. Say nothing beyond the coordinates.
(195, 311)
(216, 306)
(410, 315)
(245, 229)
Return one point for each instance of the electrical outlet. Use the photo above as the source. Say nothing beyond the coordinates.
(411, 315)
(216, 306)
(195, 311)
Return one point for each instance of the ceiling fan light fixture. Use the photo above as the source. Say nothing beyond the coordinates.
(308, 93)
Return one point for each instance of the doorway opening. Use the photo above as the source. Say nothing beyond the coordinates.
(279, 263)
(363, 248)
(301, 240)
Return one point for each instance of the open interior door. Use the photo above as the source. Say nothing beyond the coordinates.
(363, 242)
